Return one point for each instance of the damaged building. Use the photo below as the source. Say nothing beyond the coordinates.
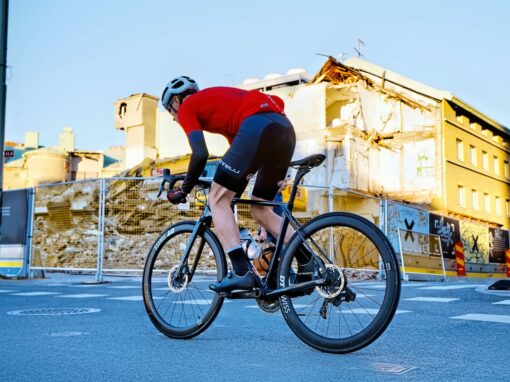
(389, 136)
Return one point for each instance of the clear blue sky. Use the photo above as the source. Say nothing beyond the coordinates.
(72, 59)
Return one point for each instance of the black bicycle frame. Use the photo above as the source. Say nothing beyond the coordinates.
(205, 220)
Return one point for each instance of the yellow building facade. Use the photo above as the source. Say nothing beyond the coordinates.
(476, 164)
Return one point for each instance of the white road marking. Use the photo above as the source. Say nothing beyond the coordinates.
(504, 302)
(7, 291)
(34, 294)
(450, 287)
(431, 299)
(369, 311)
(128, 298)
(82, 295)
(124, 287)
(198, 302)
(484, 317)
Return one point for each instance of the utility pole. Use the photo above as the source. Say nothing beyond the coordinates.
(4, 14)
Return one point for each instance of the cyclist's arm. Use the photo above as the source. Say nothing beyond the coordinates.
(198, 160)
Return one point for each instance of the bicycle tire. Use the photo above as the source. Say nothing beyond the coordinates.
(197, 306)
(343, 233)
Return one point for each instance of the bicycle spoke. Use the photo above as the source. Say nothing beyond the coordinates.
(184, 309)
(358, 297)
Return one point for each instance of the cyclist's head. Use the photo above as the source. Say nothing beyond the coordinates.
(179, 87)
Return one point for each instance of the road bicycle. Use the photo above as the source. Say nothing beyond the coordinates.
(340, 304)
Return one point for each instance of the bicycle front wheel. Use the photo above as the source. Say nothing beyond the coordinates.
(175, 288)
(357, 304)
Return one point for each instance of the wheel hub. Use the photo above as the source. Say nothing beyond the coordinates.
(177, 282)
(335, 283)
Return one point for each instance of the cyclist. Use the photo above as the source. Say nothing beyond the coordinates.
(262, 140)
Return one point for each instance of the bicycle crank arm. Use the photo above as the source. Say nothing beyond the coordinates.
(241, 294)
(294, 289)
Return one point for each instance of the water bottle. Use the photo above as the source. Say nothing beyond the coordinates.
(249, 244)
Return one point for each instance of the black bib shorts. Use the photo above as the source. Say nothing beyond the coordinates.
(264, 145)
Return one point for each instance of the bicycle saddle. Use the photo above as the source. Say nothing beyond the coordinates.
(308, 162)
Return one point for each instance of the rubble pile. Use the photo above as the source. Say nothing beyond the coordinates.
(66, 224)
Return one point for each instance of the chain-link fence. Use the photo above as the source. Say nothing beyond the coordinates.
(66, 226)
(134, 217)
(109, 225)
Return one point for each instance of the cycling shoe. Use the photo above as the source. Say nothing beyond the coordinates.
(234, 282)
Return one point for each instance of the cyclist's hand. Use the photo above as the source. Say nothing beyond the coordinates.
(176, 196)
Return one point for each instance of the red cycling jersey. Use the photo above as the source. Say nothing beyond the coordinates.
(221, 110)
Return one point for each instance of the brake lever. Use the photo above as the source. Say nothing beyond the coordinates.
(166, 179)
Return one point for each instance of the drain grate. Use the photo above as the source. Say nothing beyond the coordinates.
(389, 368)
(53, 311)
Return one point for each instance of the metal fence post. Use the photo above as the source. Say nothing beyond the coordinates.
(30, 231)
(331, 192)
(100, 230)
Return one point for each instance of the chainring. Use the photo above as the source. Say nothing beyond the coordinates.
(270, 306)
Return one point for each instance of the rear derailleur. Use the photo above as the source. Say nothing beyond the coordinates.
(346, 295)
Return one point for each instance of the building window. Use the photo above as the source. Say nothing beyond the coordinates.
(472, 155)
(496, 165)
(460, 150)
(474, 199)
(485, 160)
(462, 196)
(507, 207)
(506, 169)
(487, 202)
(498, 205)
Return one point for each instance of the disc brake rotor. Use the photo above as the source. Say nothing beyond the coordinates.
(177, 283)
(332, 290)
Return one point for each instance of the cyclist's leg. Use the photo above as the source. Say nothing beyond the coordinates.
(242, 276)
(277, 147)
(232, 175)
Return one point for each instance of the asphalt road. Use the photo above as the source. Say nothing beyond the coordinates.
(455, 331)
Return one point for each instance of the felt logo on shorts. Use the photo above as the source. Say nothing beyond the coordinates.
(229, 168)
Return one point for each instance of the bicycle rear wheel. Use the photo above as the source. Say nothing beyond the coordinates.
(180, 304)
(359, 302)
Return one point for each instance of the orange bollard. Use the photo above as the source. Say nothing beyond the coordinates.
(507, 253)
(460, 259)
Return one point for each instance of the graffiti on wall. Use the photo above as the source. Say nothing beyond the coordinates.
(498, 243)
(448, 230)
(406, 219)
(476, 242)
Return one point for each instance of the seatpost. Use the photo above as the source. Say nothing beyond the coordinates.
(300, 174)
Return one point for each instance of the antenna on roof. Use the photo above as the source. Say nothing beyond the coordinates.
(358, 50)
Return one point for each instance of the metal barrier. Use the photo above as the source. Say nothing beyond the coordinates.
(66, 226)
(109, 225)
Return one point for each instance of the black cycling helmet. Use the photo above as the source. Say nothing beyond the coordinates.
(180, 86)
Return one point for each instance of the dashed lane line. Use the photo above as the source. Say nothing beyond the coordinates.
(33, 294)
(82, 295)
(484, 317)
(451, 287)
(7, 291)
(504, 302)
(431, 299)
(125, 287)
